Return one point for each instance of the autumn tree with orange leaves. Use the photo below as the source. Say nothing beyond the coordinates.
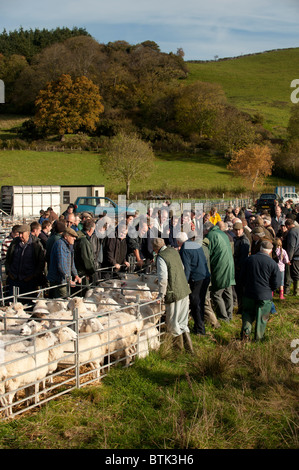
(66, 106)
(253, 162)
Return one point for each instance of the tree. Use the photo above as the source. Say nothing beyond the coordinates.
(293, 124)
(254, 163)
(66, 106)
(197, 106)
(233, 130)
(128, 158)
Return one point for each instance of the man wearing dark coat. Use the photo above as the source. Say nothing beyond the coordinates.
(260, 276)
(25, 262)
(198, 277)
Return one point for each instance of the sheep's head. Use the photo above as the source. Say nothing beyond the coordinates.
(66, 334)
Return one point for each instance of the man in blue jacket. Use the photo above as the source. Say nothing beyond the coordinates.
(198, 277)
(62, 264)
(260, 277)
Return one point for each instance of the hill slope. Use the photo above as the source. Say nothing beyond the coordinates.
(257, 83)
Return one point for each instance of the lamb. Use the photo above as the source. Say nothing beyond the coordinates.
(83, 307)
(152, 335)
(118, 333)
(90, 348)
(64, 336)
(3, 377)
(13, 343)
(32, 327)
(150, 312)
(57, 305)
(21, 373)
(9, 317)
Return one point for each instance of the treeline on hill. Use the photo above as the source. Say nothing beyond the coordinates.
(141, 89)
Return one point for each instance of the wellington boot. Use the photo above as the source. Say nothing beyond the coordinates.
(188, 342)
(178, 342)
(296, 288)
(281, 296)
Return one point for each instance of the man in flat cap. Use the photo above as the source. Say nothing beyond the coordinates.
(62, 265)
(260, 277)
(25, 262)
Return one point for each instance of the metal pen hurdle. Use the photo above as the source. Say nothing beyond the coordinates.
(70, 372)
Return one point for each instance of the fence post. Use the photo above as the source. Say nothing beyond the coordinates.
(77, 358)
(16, 291)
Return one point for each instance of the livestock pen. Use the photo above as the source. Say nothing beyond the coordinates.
(49, 347)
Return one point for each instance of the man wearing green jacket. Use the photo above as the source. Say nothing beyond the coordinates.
(222, 271)
(174, 290)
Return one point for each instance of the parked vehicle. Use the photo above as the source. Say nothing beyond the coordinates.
(293, 196)
(99, 206)
(281, 190)
(266, 201)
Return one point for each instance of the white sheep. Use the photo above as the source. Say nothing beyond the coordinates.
(118, 333)
(14, 343)
(82, 306)
(64, 335)
(21, 373)
(152, 335)
(91, 351)
(32, 327)
(3, 376)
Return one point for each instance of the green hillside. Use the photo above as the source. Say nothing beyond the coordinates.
(175, 175)
(257, 83)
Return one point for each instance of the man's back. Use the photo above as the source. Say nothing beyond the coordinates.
(260, 276)
(194, 261)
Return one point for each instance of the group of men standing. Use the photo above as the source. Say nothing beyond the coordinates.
(224, 270)
(193, 274)
(35, 258)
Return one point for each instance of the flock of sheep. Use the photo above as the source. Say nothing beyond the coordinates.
(114, 322)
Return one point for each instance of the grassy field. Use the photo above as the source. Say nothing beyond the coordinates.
(229, 395)
(257, 83)
(199, 175)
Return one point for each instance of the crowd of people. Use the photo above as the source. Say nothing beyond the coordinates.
(204, 261)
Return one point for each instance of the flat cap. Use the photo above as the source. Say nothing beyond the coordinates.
(266, 245)
(71, 232)
(86, 214)
(258, 231)
(24, 228)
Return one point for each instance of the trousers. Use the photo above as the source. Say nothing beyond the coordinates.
(197, 303)
(258, 311)
(177, 316)
(223, 301)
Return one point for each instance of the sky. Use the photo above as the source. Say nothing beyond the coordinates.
(204, 29)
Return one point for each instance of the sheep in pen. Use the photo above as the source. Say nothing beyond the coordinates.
(64, 344)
